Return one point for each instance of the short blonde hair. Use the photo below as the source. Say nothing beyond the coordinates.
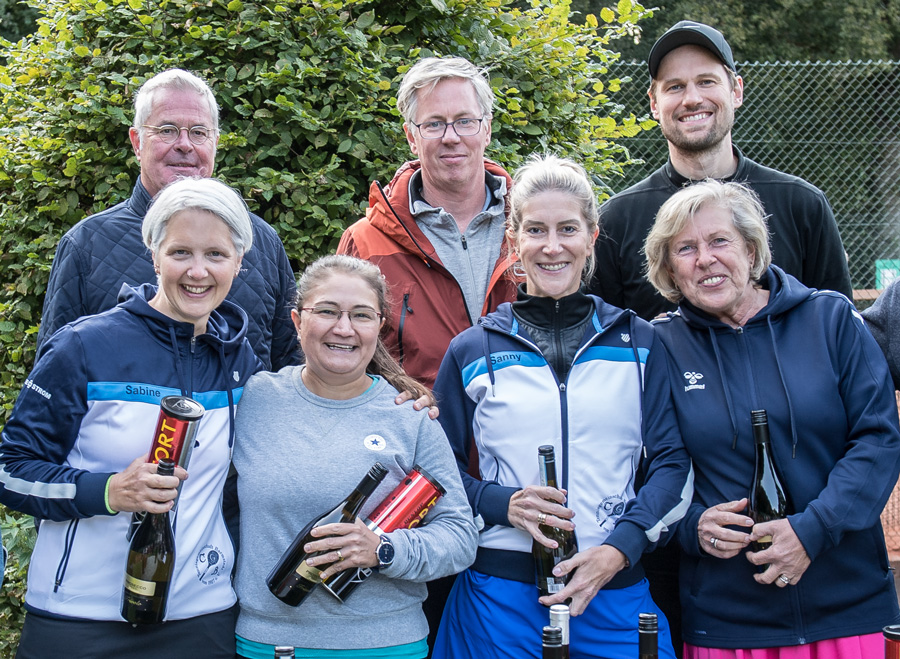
(747, 215)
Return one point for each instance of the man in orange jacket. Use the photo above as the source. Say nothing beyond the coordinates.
(437, 229)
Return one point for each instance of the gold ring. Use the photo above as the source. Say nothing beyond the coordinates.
(541, 518)
(340, 556)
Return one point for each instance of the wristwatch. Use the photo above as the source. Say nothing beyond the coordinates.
(385, 553)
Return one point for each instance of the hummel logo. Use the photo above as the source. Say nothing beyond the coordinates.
(692, 379)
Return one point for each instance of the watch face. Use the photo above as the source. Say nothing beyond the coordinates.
(385, 553)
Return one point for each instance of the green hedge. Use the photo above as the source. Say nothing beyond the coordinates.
(307, 91)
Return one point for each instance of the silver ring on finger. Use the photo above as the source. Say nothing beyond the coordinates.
(340, 556)
(786, 580)
(542, 518)
(714, 542)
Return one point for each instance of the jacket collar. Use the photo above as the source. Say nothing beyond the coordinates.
(226, 328)
(680, 181)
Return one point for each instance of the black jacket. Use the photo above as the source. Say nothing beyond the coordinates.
(803, 235)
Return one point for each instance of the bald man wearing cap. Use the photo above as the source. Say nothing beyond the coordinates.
(694, 92)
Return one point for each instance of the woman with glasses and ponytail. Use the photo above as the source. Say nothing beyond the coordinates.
(305, 436)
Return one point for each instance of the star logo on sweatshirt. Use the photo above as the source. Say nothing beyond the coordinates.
(375, 442)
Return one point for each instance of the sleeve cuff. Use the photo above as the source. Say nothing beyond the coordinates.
(629, 539)
(493, 505)
(91, 493)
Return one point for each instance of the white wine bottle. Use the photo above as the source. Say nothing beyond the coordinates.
(292, 578)
(545, 558)
(151, 561)
(768, 500)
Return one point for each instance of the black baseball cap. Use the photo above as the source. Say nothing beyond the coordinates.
(689, 33)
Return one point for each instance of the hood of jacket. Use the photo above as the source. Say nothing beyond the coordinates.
(785, 293)
(225, 330)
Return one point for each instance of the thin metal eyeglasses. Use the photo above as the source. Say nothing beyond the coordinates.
(331, 315)
(169, 133)
(435, 130)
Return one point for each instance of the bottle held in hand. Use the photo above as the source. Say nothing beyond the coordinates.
(768, 500)
(293, 579)
(545, 559)
(151, 561)
(404, 508)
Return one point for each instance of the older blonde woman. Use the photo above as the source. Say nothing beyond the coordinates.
(746, 337)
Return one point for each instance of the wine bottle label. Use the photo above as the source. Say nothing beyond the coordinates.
(140, 586)
(309, 572)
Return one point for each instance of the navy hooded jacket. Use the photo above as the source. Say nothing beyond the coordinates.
(809, 361)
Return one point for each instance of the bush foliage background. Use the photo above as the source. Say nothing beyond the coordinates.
(308, 115)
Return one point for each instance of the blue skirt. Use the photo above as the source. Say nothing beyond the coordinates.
(493, 618)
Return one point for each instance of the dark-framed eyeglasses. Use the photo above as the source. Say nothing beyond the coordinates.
(169, 133)
(435, 130)
(360, 317)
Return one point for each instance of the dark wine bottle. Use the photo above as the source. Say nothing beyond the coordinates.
(151, 561)
(545, 559)
(768, 500)
(551, 640)
(292, 579)
(648, 636)
(559, 617)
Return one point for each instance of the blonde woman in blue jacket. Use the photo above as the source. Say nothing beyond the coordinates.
(564, 368)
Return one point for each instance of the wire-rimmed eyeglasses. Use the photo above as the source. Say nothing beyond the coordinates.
(169, 133)
(435, 130)
(360, 317)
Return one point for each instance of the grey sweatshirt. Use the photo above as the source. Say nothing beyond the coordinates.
(298, 455)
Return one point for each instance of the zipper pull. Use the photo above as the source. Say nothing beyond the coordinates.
(465, 246)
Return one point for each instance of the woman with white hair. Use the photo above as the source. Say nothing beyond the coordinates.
(75, 449)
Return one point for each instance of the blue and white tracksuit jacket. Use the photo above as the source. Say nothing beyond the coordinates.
(87, 410)
(496, 389)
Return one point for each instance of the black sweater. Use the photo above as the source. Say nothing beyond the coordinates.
(803, 233)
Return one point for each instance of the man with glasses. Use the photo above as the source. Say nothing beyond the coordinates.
(436, 230)
(175, 133)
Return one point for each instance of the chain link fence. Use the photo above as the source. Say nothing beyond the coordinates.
(837, 125)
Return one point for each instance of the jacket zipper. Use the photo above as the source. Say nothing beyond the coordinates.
(404, 309)
(67, 552)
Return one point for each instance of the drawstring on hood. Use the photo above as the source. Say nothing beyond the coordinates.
(226, 329)
(783, 296)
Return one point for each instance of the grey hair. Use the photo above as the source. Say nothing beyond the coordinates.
(382, 362)
(205, 194)
(549, 173)
(747, 214)
(171, 79)
(427, 73)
